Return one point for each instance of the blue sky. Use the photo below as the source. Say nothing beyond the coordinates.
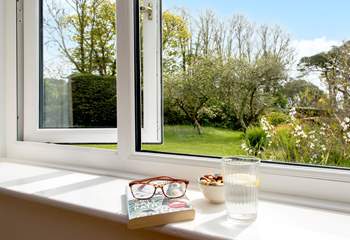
(314, 25)
(304, 19)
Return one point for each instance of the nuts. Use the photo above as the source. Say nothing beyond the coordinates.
(212, 180)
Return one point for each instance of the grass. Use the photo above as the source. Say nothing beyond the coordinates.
(184, 139)
(213, 142)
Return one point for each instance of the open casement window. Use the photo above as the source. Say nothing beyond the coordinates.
(67, 83)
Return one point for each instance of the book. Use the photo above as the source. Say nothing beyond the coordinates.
(158, 210)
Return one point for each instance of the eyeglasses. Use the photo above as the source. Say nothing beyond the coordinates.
(146, 188)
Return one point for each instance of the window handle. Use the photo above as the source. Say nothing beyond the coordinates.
(147, 10)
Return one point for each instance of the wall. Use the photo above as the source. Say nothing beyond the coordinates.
(2, 78)
(22, 219)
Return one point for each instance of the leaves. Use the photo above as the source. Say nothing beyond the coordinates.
(85, 33)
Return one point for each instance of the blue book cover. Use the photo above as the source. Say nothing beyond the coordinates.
(157, 210)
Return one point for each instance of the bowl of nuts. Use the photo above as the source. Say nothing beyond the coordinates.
(212, 187)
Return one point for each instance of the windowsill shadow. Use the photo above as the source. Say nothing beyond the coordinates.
(75, 186)
(34, 179)
(223, 225)
(205, 207)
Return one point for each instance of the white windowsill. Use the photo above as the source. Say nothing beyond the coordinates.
(104, 197)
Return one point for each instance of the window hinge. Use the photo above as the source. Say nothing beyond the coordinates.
(147, 10)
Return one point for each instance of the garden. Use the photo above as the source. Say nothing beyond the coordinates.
(228, 86)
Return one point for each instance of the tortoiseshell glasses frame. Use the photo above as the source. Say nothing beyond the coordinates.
(154, 186)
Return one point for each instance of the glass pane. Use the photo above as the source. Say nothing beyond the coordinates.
(78, 83)
(264, 78)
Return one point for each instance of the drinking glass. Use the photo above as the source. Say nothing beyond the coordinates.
(241, 184)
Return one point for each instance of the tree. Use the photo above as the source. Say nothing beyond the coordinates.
(301, 93)
(334, 69)
(248, 88)
(247, 66)
(84, 31)
(255, 67)
(175, 42)
(192, 90)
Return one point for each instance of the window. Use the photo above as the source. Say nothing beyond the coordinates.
(301, 181)
(253, 78)
(70, 90)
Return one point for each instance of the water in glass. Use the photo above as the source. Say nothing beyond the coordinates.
(241, 187)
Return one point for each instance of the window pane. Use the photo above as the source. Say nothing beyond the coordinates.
(78, 83)
(261, 78)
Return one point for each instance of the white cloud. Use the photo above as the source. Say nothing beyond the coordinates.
(309, 47)
(306, 48)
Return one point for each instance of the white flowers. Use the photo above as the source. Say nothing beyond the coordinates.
(314, 141)
(292, 113)
(347, 137)
(345, 125)
(311, 143)
(244, 146)
(299, 132)
(268, 129)
(247, 149)
(265, 125)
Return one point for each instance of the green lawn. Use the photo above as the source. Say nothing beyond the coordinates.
(184, 139)
(213, 142)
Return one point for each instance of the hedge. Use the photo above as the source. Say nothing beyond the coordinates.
(94, 101)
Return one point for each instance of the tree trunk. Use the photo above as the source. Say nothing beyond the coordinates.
(244, 126)
(197, 126)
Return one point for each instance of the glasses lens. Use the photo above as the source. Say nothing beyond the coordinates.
(142, 191)
(174, 189)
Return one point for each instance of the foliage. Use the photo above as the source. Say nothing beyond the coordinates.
(192, 90)
(248, 88)
(93, 100)
(85, 34)
(334, 69)
(303, 94)
(175, 42)
(255, 141)
(283, 145)
(226, 73)
(322, 142)
(222, 142)
(241, 78)
(277, 118)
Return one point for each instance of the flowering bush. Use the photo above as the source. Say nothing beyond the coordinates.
(321, 141)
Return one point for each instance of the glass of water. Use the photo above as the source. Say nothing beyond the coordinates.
(241, 182)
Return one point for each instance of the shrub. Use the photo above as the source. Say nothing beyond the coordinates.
(277, 118)
(283, 147)
(255, 141)
(93, 100)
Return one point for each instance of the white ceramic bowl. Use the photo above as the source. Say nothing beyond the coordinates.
(214, 194)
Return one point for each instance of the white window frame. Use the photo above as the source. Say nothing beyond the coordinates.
(322, 187)
(152, 130)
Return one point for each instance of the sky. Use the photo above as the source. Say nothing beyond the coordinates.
(314, 25)
(304, 19)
